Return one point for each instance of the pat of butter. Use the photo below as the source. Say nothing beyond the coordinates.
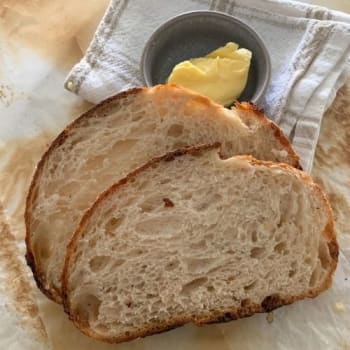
(221, 75)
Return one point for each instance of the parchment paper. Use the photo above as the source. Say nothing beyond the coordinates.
(39, 42)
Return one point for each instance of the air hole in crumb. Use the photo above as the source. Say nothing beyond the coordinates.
(136, 116)
(88, 308)
(110, 289)
(118, 262)
(210, 236)
(308, 261)
(210, 289)
(151, 296)
(112, 224)
(75, 141)
(164, 181)
(93, 242)
(280, 248)
(293, 270)
(191, 286)
(98, 263)
(250, 286)
(175, 130)
(254, 236)
(292, 273)
(171, 265)
(257, 252)
(199, 245)
(242, 236)
(136, 252)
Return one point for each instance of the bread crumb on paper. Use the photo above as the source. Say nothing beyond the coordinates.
(340, 307)
(70, 85)
(269, 317)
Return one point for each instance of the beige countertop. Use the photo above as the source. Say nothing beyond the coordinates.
(40, 41)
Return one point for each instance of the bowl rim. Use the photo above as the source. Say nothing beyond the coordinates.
(198, 13)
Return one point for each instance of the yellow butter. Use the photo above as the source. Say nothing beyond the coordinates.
(221, 75)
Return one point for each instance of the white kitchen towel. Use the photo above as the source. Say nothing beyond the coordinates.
(309, 48)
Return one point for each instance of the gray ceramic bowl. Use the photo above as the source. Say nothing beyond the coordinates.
(194, 34)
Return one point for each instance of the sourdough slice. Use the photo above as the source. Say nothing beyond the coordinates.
(190, 237)
(114, 138)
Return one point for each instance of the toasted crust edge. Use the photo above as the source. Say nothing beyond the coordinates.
(270, 302)
(259, 113)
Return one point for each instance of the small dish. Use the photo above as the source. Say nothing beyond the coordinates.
(194, 34)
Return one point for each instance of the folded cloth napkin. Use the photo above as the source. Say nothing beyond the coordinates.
(309, 48)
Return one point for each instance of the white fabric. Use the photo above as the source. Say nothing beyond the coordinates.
(309, 48)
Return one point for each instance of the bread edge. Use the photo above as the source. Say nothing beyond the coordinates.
(270, 302)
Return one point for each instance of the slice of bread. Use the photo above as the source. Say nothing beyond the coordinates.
(190, 237)
(114, 138)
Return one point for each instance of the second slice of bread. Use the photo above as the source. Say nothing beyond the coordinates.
(190, 237)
